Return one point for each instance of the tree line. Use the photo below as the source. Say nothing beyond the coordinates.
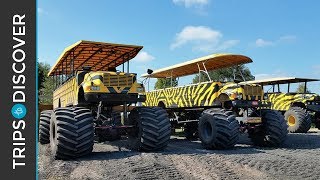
(45, 84)
(241, 73)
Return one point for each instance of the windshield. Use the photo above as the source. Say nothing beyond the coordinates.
(292, 88)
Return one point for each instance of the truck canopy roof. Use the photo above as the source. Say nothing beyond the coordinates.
(99, 55)
(210, 62)
(280, 80)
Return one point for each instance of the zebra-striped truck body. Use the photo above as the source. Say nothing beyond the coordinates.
(307, 104)
(299, 109)
(283, 101)
(206, 94)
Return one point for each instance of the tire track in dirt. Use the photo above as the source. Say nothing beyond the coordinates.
(213, 166)
(125, 164)
(297, 159)
(53, 169)
(151, 166)
(280, 164)
(277, 163)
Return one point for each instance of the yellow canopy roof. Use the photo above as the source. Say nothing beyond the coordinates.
(212, 62)
(99, 55)
(280, 80)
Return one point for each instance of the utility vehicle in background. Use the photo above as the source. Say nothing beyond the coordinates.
(299, 108)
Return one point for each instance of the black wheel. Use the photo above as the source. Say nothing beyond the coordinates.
(44, 127)
(152, 128)
(298, 120)
(218, 129)
(191, 131)
(273, 130)
(71, 133)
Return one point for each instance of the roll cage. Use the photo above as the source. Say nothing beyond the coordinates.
(276, 82)
(199, 66)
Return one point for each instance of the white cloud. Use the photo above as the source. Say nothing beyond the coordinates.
(262, 43)
(202, 38)
(196, 33)
(283, 39)
(191, 3)
(287, 38)
(143, 57)
(227, 44)
(275, 74)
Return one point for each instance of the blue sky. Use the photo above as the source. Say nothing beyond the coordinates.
(281, 37)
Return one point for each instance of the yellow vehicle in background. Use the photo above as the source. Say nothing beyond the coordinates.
(299, 109)
(217, 111)
(90, 98)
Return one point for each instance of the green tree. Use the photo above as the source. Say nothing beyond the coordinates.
(45, 84)
(226, 74)
(43, 69)
(165, 82)
(300, 89)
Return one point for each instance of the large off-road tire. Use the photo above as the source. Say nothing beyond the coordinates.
(152, 129)
(298, 120)
(71, 133)
(272, 132)
(218, 129)
(44, 127)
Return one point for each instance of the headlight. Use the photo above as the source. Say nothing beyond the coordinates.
(95, 88)
(265, 96)
(236, 96)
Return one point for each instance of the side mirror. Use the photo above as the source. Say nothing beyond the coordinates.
(86, 68)
(237, 81)
(149, 71)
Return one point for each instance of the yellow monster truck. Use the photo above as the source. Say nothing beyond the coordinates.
(90, 97)
(299, 109)
(217, 111)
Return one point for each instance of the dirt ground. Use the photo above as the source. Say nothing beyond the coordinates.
(298, 158)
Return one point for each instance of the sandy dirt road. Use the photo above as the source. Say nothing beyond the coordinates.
(298, 158)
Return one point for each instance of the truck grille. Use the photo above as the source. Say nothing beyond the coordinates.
(118, 80)
(253, 92)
